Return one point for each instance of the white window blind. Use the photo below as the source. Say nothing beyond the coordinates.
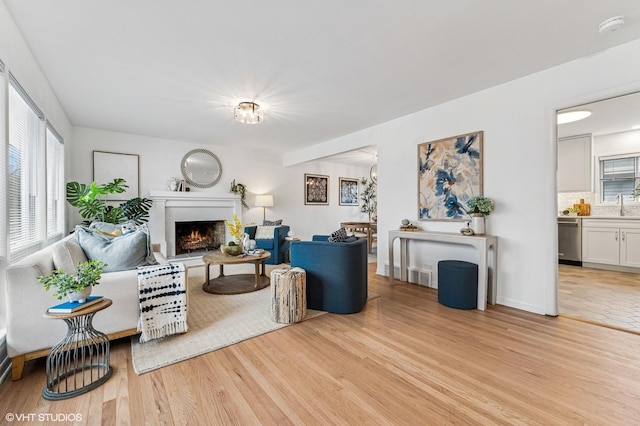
(618, 176)
(3, 175)
(55, 185)
(27, 189)
(3, 206)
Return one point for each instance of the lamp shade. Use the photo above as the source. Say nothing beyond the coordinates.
(264, 200)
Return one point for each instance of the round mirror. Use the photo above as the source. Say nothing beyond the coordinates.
(201, 168)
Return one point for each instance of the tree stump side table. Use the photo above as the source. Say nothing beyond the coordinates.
(80, 361)
(288, 295)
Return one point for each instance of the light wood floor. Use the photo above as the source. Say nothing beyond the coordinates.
(603, 297)
(404, 360)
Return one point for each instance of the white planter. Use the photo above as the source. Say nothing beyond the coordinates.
(80, 296)
(477, 224)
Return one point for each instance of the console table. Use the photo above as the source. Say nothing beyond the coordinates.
(485, 244)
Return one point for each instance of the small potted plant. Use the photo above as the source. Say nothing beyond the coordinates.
(234, 248)
(479, 207)
(240, 189)
(76, 288)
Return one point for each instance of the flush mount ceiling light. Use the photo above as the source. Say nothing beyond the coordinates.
(571, 116)
(611, 24)
(248, 112)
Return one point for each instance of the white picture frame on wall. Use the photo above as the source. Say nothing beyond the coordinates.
(108, 166)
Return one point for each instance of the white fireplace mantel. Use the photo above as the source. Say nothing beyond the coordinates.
(171, 206)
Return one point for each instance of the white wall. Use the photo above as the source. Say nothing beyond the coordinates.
(17, 57)
(261, 172)
(518, 120)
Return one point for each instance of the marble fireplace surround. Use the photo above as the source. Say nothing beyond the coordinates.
(170, 207)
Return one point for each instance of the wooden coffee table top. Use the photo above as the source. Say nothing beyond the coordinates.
(236, 283)
(219, 258)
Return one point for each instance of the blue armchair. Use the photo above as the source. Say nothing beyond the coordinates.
(336, 273)
(276, 245)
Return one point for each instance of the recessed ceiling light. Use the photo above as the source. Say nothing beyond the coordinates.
(571, 116)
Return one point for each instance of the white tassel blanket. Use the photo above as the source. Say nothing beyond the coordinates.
(162, 291)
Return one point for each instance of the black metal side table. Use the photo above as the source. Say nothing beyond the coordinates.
(80, 361)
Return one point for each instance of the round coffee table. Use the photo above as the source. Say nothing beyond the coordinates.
(237, 283)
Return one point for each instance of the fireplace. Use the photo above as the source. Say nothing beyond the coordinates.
(199, 236)
(171, 207)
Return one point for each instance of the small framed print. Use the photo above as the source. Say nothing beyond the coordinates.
(316, 189)
(348, 191)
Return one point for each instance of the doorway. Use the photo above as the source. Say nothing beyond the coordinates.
(598, 164)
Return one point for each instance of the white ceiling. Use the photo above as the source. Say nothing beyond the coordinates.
(175, 69)
(613, 115)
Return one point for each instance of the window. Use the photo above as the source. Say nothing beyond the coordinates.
(26, 174)
(55, 185)
(3, 183)
(619, 175)
(3, 209)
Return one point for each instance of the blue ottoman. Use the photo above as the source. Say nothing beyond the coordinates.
(458, 284)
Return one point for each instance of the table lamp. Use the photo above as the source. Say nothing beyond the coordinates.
(264, 201)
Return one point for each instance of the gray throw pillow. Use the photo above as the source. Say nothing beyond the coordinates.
(67, 253)
(272, 222)
(121, 253)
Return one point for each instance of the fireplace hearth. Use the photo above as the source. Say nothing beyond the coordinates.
(198, 236)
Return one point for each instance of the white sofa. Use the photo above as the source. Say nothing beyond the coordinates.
(29, 334)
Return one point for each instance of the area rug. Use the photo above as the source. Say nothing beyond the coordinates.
(215, 321)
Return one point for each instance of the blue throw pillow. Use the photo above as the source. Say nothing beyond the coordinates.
(120, 253)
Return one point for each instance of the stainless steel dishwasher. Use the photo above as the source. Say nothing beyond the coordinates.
(570, 240)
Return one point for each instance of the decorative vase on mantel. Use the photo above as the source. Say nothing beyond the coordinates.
(477, 223)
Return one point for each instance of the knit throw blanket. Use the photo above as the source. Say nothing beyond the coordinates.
(162, 291)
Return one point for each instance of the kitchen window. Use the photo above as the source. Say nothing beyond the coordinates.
(619, 175)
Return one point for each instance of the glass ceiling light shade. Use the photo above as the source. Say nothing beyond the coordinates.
(248, 112)
(571, 116)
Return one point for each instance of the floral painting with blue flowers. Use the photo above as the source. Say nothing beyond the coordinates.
(449, 174)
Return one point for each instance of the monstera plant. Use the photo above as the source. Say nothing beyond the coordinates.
(91, 201)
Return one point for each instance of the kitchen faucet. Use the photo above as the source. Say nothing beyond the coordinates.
(620, 198)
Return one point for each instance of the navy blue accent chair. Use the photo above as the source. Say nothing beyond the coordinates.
(277, 245)
(336, 273)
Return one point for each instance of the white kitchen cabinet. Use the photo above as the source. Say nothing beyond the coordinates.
(611, 242)
(574, 164)
(630, 247)
(600, 245)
